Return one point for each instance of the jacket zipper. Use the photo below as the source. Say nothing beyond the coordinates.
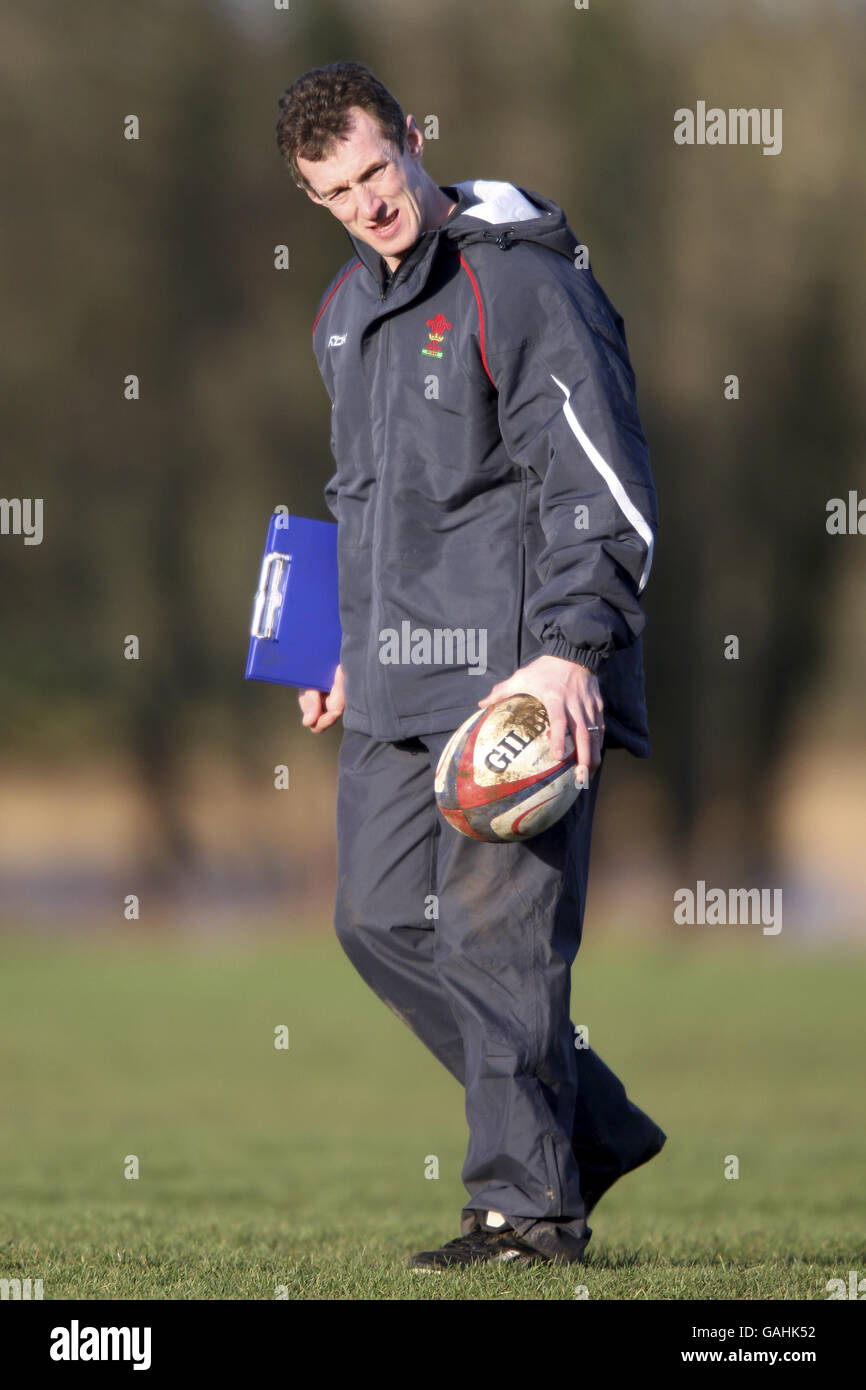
(554, 1188)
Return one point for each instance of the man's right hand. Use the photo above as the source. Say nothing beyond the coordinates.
(320, 711)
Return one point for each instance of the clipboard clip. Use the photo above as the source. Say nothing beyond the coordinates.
(273, 582)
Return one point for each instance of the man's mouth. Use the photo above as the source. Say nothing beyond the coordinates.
(387, 225)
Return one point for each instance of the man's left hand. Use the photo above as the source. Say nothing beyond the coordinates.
(572, 698)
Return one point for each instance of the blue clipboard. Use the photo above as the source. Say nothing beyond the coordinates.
(295, 633)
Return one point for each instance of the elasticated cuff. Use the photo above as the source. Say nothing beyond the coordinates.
(589, 657)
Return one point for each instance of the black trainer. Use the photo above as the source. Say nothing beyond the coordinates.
(479, 1247)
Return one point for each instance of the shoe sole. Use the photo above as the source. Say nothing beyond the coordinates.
(519, 1258)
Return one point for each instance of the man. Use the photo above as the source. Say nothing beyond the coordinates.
(492, 478)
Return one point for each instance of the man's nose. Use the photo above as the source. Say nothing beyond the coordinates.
(369, 204)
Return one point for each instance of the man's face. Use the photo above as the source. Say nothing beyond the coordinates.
(378, 194)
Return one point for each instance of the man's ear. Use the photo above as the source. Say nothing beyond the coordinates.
(414, 138)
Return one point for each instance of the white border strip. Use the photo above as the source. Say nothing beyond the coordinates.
(626, 506)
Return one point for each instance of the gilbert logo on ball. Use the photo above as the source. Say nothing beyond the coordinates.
(496, 778)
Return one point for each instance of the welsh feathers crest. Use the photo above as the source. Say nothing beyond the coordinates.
(438, 327)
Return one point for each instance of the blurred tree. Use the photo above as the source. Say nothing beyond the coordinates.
(156, 257)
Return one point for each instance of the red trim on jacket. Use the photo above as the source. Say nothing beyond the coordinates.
(334, 291)
(480, 319)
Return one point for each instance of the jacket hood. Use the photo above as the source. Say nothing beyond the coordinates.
(489, 210)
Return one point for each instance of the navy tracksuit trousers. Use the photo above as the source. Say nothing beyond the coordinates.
(471, 945)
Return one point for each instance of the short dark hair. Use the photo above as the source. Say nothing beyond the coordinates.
(314, 112)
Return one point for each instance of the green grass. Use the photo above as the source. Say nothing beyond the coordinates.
(305, 1168)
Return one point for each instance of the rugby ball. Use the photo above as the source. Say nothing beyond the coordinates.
(497, 780)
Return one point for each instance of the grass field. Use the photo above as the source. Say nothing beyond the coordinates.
(304, 1168)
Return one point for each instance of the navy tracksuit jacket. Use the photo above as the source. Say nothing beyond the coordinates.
(492, 478)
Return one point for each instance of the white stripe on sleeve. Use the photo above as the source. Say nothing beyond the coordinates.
(626, 506)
